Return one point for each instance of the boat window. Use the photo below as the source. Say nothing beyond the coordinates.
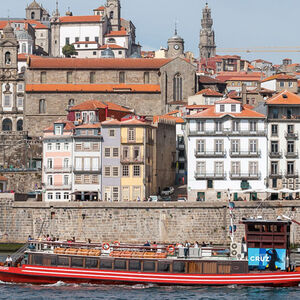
(91, 263)
(105, 264)
(179, 267)
(38, 259)
(120, 264)
(149, 266)
(77, 262)
(163, 266)
(53, 260)
(134, 265)
(63, 261)
(254, 227)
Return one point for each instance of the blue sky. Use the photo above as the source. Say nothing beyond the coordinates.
(237, 23)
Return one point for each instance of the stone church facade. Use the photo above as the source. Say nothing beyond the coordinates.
(149, 86)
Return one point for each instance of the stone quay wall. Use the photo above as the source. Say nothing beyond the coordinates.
(135, 222)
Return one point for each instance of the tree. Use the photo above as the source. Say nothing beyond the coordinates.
(68, 50)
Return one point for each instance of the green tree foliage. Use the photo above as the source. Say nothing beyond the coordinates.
(68, 50)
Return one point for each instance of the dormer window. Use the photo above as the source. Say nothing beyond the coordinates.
(233, 108)
(58, 129)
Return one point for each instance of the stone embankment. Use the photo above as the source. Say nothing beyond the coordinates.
(134, 222)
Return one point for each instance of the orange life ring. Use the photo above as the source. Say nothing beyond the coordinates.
(116, 243)
(105, 246)
(171, 249)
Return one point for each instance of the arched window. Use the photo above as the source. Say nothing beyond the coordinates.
(71, 102)
(32, 15)
(20, 125)
(23, 48)
(111, 41)
(42, 106)
(7, 58)
(177, 87)
(111, 15)
(7, 125)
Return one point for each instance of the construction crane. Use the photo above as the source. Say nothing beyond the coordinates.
(260, 49)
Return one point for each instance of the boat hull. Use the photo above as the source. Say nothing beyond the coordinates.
(50, 275)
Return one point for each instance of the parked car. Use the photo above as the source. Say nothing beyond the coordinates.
(181, 199)
(167, 191)
(154, 198)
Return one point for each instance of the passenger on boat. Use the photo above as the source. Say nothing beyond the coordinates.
(8, 261)
(30, 238)
(147, 244)
(154, 245)
(73, 239)
(196, 245)
(186, 249)
(89, 241)
(48, 238)
(203, 244)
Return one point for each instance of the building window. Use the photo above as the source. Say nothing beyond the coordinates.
(20, 125)
(78, 147)
(125, 171)
(253, 126)
(253, 146)
(50, 196)
(43, 77)
(66, 162)
(274, 147)
(177, 88)
(69, 77)
(218, 126)
(94, 53)
(107, 171)
(122, 77)
(92, 77)
(125, 193)
(42, 106)
(210, 184)
(58, 196)
(219, 146)
(200, 146)
(87, 39)
(67, 41)
(235, 126)
(97, 39)
(290, 84)
(136, 171)
(50, 180)
(290, 147)
(71, 102)
(281, 83)
(200, 126)
(201, 167)
(219, 168)
(66, 146)
(131, 134)
(235, 167)
(106, 152)
(49, 146)
(7, 58)
(275, 113)
(235, 146)
(78, 179)
(290, 128)
(57, 146)
(33, 15)
(253, 168)
(7, 125)
(115, 152)
(20, 87)
(58, 130)
(66, 179)
(274, 168)
(23, 48)
(20, 101)
(76, 39)
(95, 179)
(146, 78)
(7, 101)
(274, 129)
(290, 168)
(115, 171)
(233, 108)
(66, 196)
(125, 152)
(115, 193)
(222, 108)
(111, 132)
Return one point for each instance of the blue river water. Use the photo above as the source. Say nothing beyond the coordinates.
(60, 290)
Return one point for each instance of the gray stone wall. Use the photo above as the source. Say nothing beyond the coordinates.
(134, 222)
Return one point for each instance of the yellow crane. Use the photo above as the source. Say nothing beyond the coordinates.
(260, 49)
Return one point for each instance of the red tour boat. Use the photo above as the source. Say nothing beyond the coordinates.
(262, 259)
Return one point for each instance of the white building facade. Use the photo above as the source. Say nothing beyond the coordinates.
(227, 151)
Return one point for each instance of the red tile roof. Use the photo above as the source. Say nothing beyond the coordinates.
(283, 98)
(177, 120)
(228, 101)
(3, 178)
(35, 24)
(68, 127)
(209, 80)
(93, 125)
(111, 46)
(134, 122)
(105, 88)
(95, 105)
(279, 77)
(24, 56)
(98, 63)
(195, 106)
(239, 76)
(99, 8)
(111, 122)
(80, 19)
(210, 113)
(209, 92)
(121, 32)
(248, 106)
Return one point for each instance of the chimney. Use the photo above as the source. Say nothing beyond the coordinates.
(244, 94)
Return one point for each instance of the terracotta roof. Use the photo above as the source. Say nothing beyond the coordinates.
(3, 178)
(98, 63)
(210, 113)
(195, 106)
(250, 78)
(121, 32)
(24, 56)
(227, 101)
(68, 127)
(248, 106)
(80, 19)
(86, 42)
(105, 88)
(283, 98)
(35, 24)
(99, 8)
(299, 83)
(134, 122)
(279, 77)
(111, 46)
(209, 80)
(90, 125)
(95, 105)
(111, 122)
(209, 92)
(177, 120)
(241, 76)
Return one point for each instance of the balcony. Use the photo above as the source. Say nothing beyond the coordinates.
(220, 154)
(228, 133)
(248, 133)
(58, 187)
(58, 169)
(213, 176)
(205, 132)
(277, 154)
(132, 160)
(291, 135)
(291, 175)
(275, 175)
(244, 176)
(132, 142)
(89, 171)
(291, 154)
(245, 153)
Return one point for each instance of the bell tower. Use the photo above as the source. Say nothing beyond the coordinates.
(207, 45)
(113, 13)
